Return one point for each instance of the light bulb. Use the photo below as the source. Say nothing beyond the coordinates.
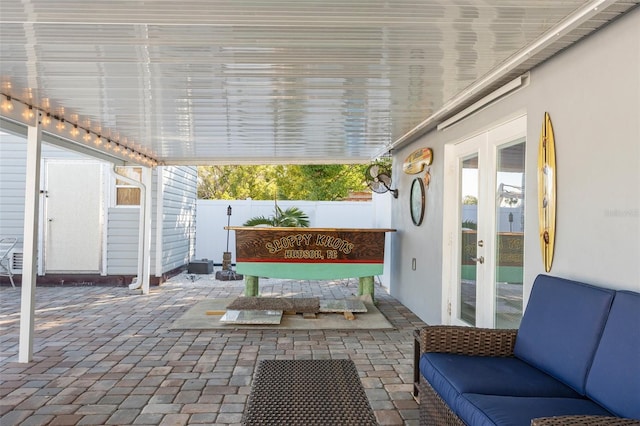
(28, 113)
(7, 104)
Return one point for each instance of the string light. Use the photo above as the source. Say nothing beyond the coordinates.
(27, 112)
(7, 104)
(61, 124)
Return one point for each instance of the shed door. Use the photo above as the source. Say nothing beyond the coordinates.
(73, 217)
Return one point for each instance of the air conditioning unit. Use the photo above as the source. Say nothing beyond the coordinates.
(16, 262)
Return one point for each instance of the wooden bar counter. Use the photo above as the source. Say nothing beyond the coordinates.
(309, 254)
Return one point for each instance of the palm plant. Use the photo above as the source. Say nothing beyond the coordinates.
(292, 217)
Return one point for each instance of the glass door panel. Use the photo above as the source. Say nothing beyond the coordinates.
(509, 238)
(468, 231)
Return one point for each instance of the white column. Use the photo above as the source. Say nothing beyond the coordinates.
(159, 217)
(30, 243)
(146, 240)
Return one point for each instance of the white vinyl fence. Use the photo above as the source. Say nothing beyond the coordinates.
(211, 218)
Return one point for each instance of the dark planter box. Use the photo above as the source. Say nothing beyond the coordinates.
(203, 266)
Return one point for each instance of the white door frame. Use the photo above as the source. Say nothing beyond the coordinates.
(486, 144)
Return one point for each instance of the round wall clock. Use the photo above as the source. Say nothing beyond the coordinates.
(417, 201)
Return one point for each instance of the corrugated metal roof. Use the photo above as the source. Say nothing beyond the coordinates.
(285, 81)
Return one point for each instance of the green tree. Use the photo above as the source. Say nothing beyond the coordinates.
(332, 182)
(282, 182)
(237, 182)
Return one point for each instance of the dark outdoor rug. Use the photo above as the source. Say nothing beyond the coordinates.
(293, 304)
(308, 392)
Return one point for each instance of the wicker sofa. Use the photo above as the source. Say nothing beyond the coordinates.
(575, 360)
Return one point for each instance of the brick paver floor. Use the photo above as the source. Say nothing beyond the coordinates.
(105, 355)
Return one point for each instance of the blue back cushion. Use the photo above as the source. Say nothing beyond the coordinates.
(561, 328)
(614, 380)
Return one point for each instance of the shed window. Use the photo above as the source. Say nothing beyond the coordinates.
(126, 194)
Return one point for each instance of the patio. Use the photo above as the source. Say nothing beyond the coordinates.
(105, 355)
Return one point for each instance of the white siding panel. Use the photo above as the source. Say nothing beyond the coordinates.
(13, 160)
(179, 210)
(13, 153)
(122, 241)
(178, 226)
(154, 225)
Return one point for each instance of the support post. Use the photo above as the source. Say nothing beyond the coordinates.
(30, 243)
(365, 287)
(146, 235)
(250, 286)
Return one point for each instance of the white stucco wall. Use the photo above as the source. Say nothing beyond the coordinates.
(592, 91)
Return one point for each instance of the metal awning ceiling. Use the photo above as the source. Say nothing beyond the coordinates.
(199, 81)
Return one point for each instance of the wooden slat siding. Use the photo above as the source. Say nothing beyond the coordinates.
(179, 208)
(13, 161)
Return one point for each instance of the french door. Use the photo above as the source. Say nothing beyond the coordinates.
(484, 228)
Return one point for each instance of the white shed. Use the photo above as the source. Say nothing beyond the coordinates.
(90, 220)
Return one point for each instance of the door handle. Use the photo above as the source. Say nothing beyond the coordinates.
(478, 259)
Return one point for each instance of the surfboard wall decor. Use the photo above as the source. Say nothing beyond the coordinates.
(417, 161)
(547, 192)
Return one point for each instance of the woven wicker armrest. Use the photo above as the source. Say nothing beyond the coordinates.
(467, 340)
(584, 421)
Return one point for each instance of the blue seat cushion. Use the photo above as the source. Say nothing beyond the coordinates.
(497, 410)
(451, 375)
(614, 379)
(561, 328)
